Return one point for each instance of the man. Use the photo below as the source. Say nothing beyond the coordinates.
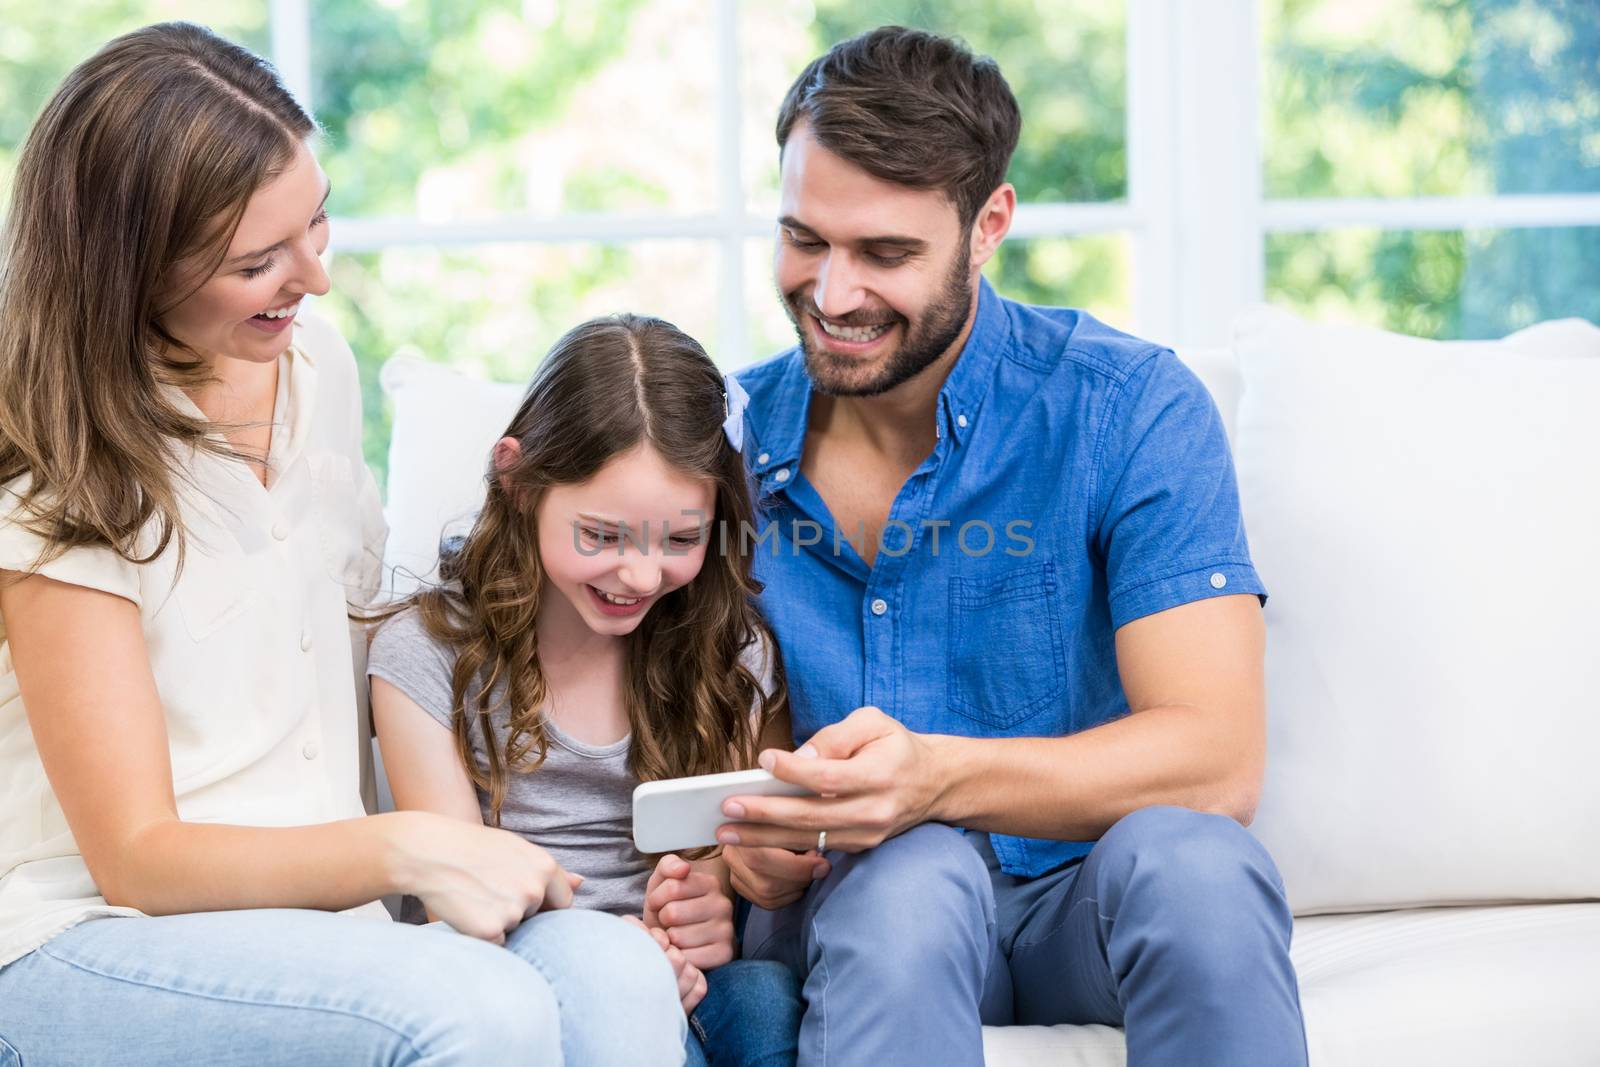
(1016, 532)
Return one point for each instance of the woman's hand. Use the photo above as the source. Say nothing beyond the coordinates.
(691, 981)
(480, 880)
(689, 902)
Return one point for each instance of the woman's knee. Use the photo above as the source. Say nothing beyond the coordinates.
(591, 949)
(617, 993)
(301, 987)
(477, 1003)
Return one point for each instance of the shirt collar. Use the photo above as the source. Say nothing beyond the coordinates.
(969, 380)
(289, 436)
(302, 396)
(783, 432)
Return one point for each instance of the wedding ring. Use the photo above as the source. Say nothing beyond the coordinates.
(822, 840)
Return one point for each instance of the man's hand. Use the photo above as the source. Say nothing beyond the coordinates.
(874, 779)
(773, 878)
(687, 902)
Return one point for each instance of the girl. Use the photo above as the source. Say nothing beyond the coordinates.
(596, 629)
(184, 514)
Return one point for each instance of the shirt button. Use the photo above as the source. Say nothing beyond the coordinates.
(764, 457)
(1219, 580)
(280, 530)
(961, 421)
(305, 641)
(309, 750)
(782, 476)
(880, 606)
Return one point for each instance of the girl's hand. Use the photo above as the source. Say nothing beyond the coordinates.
(482, 881)
(691, 981)
(689, 904)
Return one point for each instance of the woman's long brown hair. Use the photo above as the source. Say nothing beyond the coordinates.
(693, 704)
(127, 193)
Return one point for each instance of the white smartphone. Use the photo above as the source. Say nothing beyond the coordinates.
(678, 813)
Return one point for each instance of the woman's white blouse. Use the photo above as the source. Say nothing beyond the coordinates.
(250, 644)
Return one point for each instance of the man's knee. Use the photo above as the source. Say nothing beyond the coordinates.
(1198, 876)
(915, 894)
(928, 867)
(1177, 847)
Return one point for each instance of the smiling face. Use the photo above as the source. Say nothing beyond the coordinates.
(613, 546)
(245, 309)
(877, 278)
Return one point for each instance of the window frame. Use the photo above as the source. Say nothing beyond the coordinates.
(1196, 213)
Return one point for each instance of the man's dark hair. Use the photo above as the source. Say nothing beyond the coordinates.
(913, 108)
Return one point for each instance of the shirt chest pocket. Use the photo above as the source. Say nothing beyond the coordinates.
(1005, 655)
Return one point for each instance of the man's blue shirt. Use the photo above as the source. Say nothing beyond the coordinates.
(1081, 479)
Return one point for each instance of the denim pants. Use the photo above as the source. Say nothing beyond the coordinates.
(310, 988)
(750, 1017)
(1174, 926)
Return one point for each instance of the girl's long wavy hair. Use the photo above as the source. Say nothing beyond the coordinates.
(694, 706)
(128, 191)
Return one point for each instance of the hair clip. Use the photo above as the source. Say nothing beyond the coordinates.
(734, 401)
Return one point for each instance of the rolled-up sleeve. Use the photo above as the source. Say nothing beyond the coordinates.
(1167, 502)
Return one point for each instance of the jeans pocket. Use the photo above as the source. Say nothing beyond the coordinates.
(1005, 653)
(9, 1057)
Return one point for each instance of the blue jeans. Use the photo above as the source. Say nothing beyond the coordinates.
(1174, 927)
(750, 1017)
(310, 988)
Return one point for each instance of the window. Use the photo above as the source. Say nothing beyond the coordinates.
(1448, 159)
(503, 169)
(39, 43)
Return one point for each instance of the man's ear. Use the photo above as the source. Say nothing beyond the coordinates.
(992, 224)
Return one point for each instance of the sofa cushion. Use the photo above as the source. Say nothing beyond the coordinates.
(445, 424)
(1424, 515)
(1471, 987)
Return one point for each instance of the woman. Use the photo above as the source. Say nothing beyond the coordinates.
(185, 514)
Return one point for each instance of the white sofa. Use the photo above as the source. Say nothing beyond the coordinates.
(1424, 515)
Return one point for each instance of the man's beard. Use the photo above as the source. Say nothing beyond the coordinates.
(935, 330)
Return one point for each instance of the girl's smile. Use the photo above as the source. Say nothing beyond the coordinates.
(611, 604)
(606, 563)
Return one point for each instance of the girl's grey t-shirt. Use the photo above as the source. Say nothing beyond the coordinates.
(578, 805)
